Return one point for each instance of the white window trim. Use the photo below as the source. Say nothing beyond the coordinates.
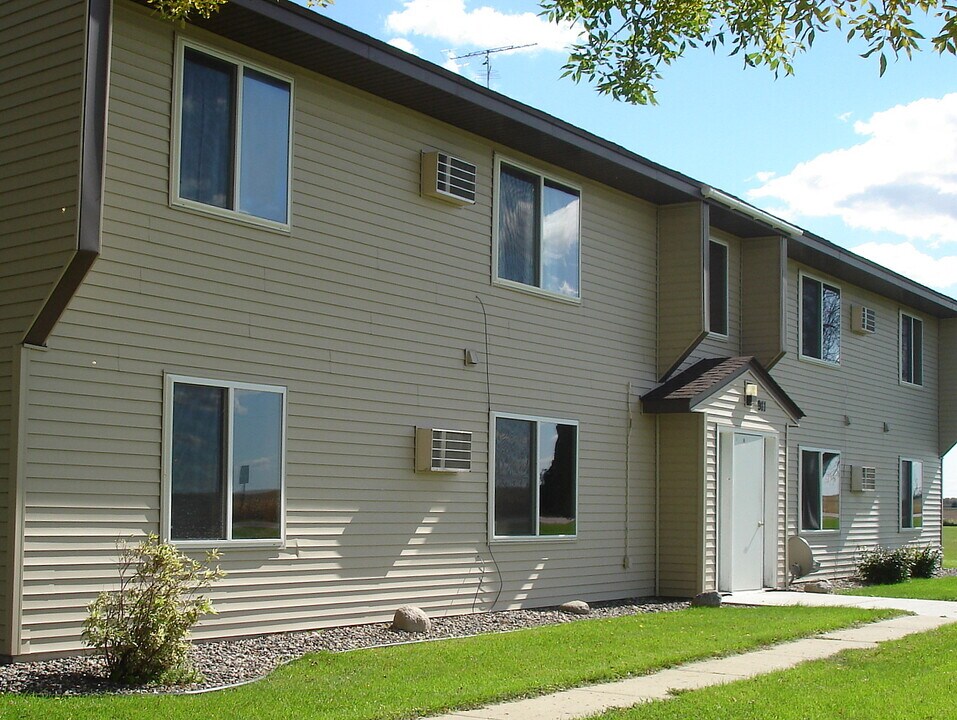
(493, 538)
(169, 380)
(840, 494)
(900, 350)
(800, 319)
(543, 176)
(225, 213)
(900, 495)
(727, 290)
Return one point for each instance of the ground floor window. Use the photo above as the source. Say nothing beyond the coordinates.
(224, 457)
(820, 489)
(534, 477)
(912, 494)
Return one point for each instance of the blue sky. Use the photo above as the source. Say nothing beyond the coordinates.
(868, 162)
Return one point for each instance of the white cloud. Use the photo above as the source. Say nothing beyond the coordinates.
(902, 178)
(762, 176)
(403, 44)
(939, 273)
(483, 27)
(845, 116)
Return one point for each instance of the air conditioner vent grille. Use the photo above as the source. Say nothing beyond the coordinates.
(863, 320)
(443, 450)
(448, 178)
(863, 479)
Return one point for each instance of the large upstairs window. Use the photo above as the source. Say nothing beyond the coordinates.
(538, 232)
(820, 320)
(234, 138)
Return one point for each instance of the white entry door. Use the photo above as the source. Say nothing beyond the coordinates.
(742, 531)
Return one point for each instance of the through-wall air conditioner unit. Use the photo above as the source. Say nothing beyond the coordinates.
(442, 451)
(448, 178)
(863, 320)
(863, 479)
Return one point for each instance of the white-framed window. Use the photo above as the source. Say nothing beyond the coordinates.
(912, 494)
(232, 140)
(820, 320)
(224, 461)
(912, 350)
(717, 287)
(820, 489)
(534, 483)
(537, 243)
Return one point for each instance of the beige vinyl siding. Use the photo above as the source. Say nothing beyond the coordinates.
(947, 394)
(764, 285)
(362, 312)
(41, 60)
(681, 497)
(866, 391)
(41, 52)
(683, 237)
(6, 509)
(726, 346)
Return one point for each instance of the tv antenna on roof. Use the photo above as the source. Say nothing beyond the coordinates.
(487, 62)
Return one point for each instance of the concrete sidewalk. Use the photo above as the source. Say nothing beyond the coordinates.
(593, 699)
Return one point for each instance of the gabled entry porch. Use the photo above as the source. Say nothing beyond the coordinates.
(721, 477)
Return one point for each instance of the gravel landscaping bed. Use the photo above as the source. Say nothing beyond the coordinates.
(230, 662)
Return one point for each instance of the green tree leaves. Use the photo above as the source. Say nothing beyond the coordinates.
(625, 43)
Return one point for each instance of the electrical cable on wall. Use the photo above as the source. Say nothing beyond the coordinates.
(488, 395)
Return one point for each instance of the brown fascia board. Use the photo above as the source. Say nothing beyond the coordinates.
(827, 257)
(90, 194)
(303, 37)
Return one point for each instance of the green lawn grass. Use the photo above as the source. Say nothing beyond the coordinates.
(950, 546)
(427, 678)
(907, 679)
(940, 588)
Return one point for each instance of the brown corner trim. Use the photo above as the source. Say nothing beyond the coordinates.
(92, 155)
(684, 356)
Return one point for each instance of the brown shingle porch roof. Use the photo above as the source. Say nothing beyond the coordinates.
(688, 389)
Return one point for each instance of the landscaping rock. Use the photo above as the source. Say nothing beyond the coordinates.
(818, 586)
(411, 619)
(577, 607)
(225, 662)
(706, 599)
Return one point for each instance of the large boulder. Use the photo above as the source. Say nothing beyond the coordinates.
(706, 599)
(576, 607)
(818, 586)
(409, 618)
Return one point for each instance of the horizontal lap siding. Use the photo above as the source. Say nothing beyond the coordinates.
(362, 311)
(681, 496)
(865, 389)
(41, 52)
(681, 278)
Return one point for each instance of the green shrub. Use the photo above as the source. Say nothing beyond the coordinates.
(142, 628)
(882, 566)
(925, 562)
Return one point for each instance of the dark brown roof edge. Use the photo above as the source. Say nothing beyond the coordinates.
(376, 67)
(92, 153)
(655, 401)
